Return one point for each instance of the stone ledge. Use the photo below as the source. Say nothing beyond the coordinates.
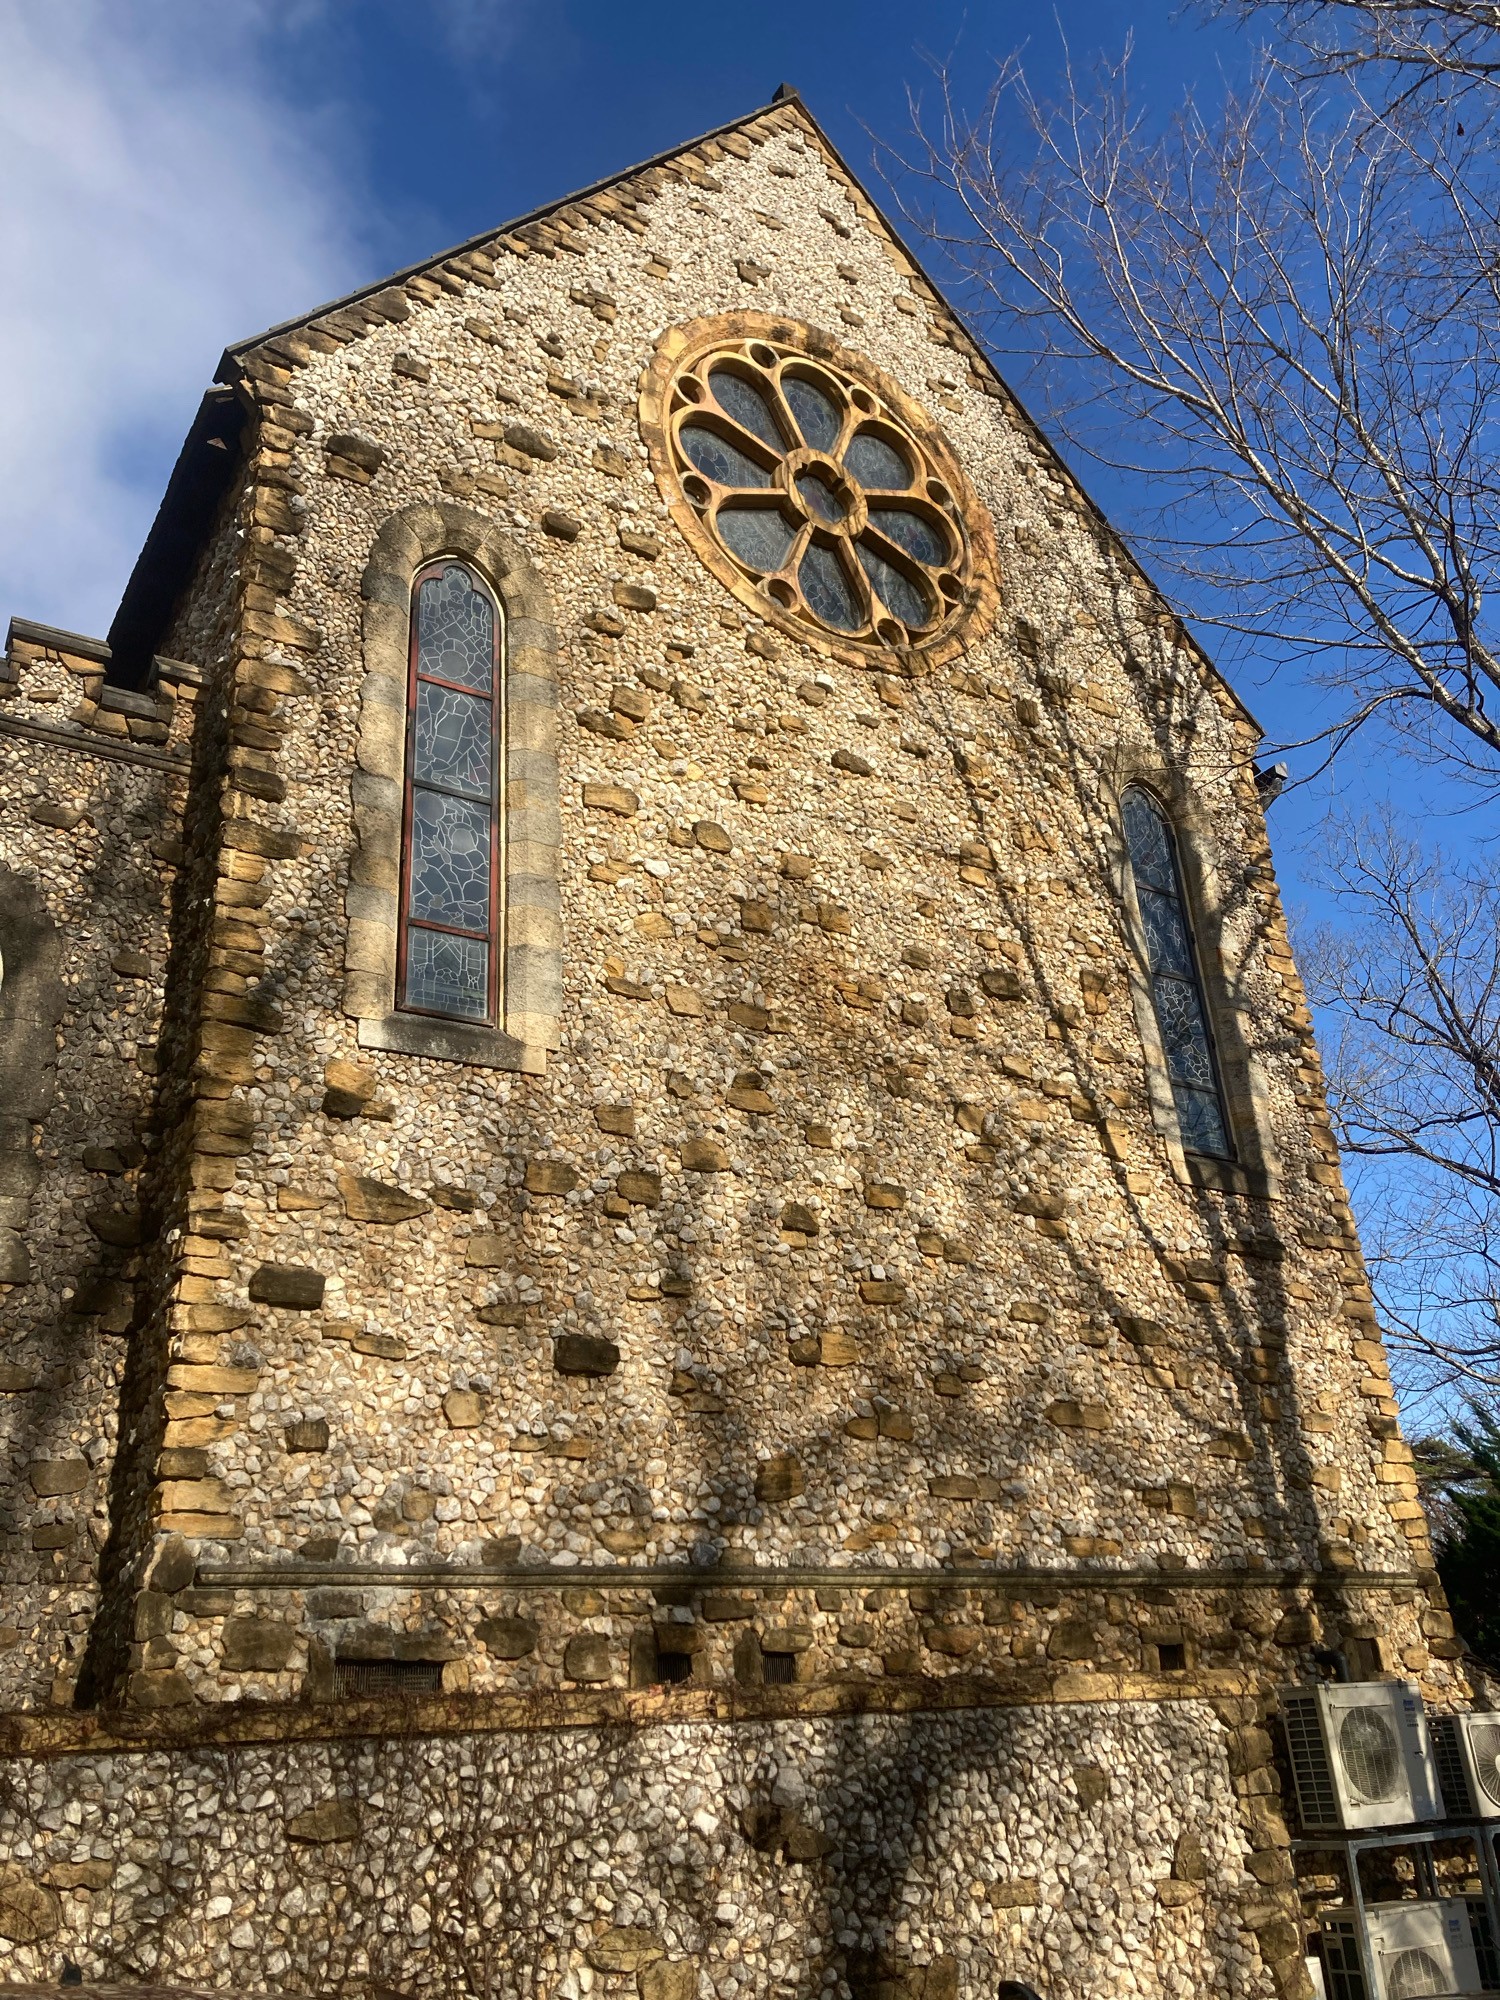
(450, 1041)
(865, 1576)
(227, 1725)
(92, 745)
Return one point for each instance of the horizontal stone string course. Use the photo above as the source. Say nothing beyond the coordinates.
(634, 1575)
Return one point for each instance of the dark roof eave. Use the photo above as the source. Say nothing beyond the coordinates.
(210, 456)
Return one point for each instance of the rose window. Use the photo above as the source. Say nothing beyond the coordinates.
(815, 488)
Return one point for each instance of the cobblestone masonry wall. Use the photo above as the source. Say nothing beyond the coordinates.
(91, 787)
(816, 1295)
(1090, 1851)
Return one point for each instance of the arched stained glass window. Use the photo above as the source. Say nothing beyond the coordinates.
(450, 886)
(1176, 983)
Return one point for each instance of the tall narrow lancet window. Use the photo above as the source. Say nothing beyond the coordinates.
(450, 916)
(1176, 983)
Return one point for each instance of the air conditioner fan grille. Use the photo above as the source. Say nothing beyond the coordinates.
(1484, 1748)
(1371, 1756)
(1413, 1972)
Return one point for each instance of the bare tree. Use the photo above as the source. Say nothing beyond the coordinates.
(1398, 48)
(1285, 307)
(1412, 978)
(1287, 312)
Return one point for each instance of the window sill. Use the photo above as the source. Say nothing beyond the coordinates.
(451, 1041)
(1228, 1177)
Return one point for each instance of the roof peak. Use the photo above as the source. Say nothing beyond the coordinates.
(786, 95)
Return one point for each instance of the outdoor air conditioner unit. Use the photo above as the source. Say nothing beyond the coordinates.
(1360, 1755)
(1416, 1950)
(1466, 1752)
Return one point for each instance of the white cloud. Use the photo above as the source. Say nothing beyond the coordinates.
(160, 196)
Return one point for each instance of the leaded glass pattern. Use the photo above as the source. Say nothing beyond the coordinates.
(449, 889)
(820, 493)
(1176, 985)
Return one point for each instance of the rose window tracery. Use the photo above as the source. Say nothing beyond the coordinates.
(816, 488)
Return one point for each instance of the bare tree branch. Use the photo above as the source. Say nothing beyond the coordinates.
(1412, 976)
(1290, 309)
(1419, 45)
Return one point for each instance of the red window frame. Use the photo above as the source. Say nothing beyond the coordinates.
(405, 921)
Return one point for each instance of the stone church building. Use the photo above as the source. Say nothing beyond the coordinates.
(679, 1315)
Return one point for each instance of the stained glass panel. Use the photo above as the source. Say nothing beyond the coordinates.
(744, 402)
(1201, 1120)
(720, 461)
(897, 593)
(826, 589)
(1150, 842)
(818, 498)
(449, 880)
(1166, 933)
(817, 415)
(873, 462)
(456, 631)
(1184, 1032)
(1181, 1013)
(453, 744)
(910, 532)
(758, 535)
(448, 975)
(451, 797)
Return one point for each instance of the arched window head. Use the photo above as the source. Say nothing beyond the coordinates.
(1176, 982)
(448, 950)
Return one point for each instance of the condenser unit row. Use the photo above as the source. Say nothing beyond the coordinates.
(1364, 1754)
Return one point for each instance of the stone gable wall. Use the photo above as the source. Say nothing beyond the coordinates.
(894, 1270)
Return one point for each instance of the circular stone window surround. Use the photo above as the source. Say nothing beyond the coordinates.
(953, 571)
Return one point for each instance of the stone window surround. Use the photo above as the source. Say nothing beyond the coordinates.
(1256, 1169)
(531, 827)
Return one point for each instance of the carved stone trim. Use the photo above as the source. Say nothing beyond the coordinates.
(31, 1005)
(681, 348)
(531, 954)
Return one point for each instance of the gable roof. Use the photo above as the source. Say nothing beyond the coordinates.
(213, 447)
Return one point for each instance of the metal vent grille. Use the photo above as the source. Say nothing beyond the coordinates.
(1345, 1975)
(1448, 1758)
(386, 1677)
(1317, 1800)
(1370, 1755)
(1484, 1943)
(1410, 1973)
(1484, 1749)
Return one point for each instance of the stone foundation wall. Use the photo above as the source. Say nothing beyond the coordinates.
(1098, 1851)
